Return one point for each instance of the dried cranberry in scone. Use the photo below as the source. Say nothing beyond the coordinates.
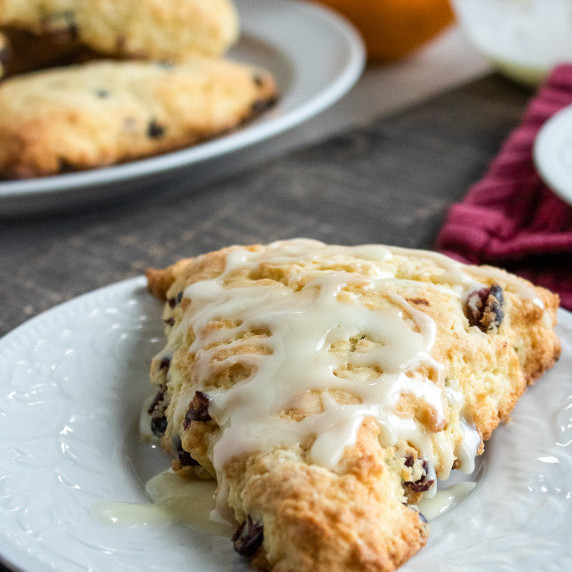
(157, 411)
(198, 409)
(485, 308)
(248, 537)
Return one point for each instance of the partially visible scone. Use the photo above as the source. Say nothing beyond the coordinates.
(4, 53)
(102, 113)
(327, 387)
(166, 30)
(22, 52)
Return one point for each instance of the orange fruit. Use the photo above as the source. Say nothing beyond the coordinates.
(392, 29)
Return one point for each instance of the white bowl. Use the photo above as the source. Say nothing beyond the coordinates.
(525, 39)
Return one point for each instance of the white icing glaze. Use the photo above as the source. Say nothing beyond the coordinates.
(445, 500)
(303, 319)
(466, 450)
(303, 325)
(462, 274)
(191, 502)
(514, 283)
(175, 500)
(468, 447)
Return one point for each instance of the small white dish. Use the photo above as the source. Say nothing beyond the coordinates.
(553, 153)
(316, 57)
(524, 39)
(72, 385)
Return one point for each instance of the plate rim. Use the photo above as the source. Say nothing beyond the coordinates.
(260, 130)
(546, 143)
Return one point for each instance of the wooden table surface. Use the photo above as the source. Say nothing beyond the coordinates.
(389, 182)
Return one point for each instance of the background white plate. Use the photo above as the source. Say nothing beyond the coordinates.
(315, 56)
(553, 153)
(71, 387)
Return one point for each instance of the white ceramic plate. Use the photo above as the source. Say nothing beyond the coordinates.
(71, 387)
(315, 56)
(553, 153)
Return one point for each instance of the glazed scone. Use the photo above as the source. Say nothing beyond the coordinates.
(327, 387)
(101, 113)
(166, 30)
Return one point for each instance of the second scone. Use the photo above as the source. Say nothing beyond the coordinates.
(143, 29)
(103, 113)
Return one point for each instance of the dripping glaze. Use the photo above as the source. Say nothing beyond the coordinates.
(305, 318)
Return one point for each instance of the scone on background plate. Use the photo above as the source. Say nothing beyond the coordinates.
(326, 388)
(165, 30)
(105, 112)
(4, 54)
(161, 85)
(23, 52)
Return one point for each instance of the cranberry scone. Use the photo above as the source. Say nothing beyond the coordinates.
(105, 112)
(163, 30)
(327, 388)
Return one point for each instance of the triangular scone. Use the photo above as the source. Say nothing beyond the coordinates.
(326, 387)
(106, 112)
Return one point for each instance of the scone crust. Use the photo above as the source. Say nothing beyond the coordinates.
(315, 519)
(103, 113)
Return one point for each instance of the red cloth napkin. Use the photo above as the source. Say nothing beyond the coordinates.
(510, 218)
